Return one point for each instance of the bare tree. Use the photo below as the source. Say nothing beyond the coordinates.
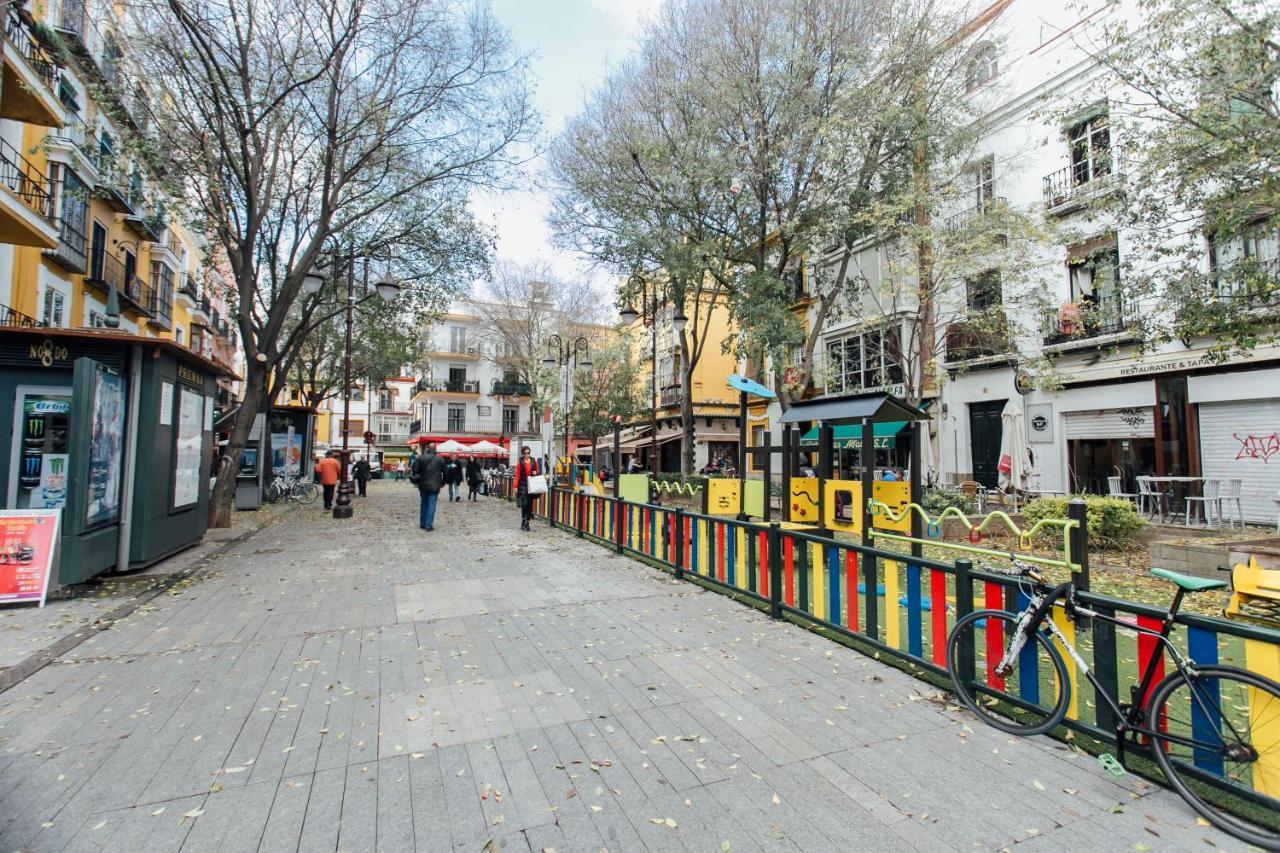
(291, 121)
(521, 306)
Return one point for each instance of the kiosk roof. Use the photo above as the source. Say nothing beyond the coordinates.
(852, 409)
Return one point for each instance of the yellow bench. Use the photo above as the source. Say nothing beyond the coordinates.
(1255, 594)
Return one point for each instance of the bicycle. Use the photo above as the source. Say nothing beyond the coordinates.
(1208, 719)
(291, 488)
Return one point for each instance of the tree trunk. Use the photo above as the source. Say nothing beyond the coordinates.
(686, 424)
(222, 501)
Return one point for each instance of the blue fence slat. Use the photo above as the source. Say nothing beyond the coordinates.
(1028, 662)
(730, 551)
(693, 544)
(1206, 724)
(915, 629)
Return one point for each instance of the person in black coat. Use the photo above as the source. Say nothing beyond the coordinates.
(361, 473)
(474, 476)
(453, 476)
(427, 474)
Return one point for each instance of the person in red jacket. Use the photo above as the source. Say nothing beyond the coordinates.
(527, 467)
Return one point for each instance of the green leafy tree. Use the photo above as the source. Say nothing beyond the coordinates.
(606, 390)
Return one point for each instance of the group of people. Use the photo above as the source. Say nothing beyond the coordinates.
(432, 473)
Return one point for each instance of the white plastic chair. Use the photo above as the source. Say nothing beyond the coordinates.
(1148, 499)
(1208, 501)
(1115, 489)
(1231, 490)
(1276, 499)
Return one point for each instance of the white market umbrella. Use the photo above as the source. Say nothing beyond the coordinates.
(1013, 447)
(451, 446)
(487, 448)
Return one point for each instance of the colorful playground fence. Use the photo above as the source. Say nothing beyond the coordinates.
(904, 606)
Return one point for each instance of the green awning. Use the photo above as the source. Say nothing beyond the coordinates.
(850, 435)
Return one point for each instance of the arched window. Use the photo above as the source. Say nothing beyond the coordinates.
(983, 66)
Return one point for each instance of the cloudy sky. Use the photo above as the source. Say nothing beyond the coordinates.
(574, 43)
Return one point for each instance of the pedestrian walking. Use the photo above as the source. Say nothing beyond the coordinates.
(428, 475)
(527, 467)
(327, 469)
(361, 472)
(400, 470)
(453, 476)
(473, 478)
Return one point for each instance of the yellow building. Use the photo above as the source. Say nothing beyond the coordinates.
(79, 217)
(715, 405)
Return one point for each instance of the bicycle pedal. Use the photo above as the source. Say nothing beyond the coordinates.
(1111, 765)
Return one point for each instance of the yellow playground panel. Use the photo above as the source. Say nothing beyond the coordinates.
(842, 505)
(803, 500)
(724, 497)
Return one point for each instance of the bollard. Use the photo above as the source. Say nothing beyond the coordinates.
(964, 606)
(1078, 542)
(775, 570)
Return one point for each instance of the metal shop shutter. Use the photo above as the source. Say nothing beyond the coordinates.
(1132, 422)
(1241, 440)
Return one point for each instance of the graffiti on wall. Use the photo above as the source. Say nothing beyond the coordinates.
(1260, 447)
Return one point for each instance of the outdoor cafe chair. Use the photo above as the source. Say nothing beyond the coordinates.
(1115, 489)
(1229, 493)
(1209, 503)
(1149, 500)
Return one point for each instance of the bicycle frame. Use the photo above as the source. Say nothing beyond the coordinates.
(1130, 720)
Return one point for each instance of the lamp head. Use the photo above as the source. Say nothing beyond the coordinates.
(312, 281)
(388, 287)
(679, 321)
(628, 314)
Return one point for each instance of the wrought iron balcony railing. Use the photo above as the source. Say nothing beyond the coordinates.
(1085, 320)
(975, 216)
(42, 62)
(503, 388)
(467, 386)
(1074, 184)
(22, 176)
(981, 335)
(447, 423)
(71, 247)
(11, 318)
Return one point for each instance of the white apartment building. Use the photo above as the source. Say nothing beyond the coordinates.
(1110, 410)
(465, 392)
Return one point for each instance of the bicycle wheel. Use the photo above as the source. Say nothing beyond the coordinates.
(272, 493)
(1030, 699)
(1224, 722)
(305, 492)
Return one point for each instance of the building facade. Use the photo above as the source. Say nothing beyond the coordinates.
(468, 389)
(1059, 347)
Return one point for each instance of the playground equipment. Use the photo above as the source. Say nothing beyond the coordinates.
(1255, 594)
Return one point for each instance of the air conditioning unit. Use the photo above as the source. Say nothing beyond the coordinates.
(833, 242)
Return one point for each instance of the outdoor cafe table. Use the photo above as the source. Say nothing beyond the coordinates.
(1189, 486)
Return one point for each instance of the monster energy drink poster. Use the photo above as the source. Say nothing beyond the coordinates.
(42, 469)
(106, 447)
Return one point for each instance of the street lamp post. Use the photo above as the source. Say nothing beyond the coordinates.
(564, 354)
(387, 289)
(651, 301)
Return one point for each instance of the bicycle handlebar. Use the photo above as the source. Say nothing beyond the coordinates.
(1019, 570)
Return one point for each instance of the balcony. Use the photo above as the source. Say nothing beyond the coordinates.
(503, 388)
(25, 203)
(448, 386)
(105, 271)
(200, 314)
(29, 88)
(975, 217)
(70, 253)
(1249, 284)
(393, 438)
(1084, 321)
(141, 295)
(670, 395)
(186, 290)
(120, 191)
(149, 225)
(456, 352)
(1072, 187)
(16, 319)
(470, 426)
(982, 335)
(73, 146)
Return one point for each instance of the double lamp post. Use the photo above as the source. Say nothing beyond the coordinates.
(652, 300)
(387, 288)
(564, 354)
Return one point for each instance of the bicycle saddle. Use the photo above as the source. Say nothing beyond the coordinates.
(1189, 583)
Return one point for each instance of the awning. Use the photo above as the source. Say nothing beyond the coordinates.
(853, 408)
(850, 435)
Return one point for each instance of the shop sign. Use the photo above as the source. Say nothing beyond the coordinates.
(1128, 365)
(191, 377)
(28, 538)
(47, 353)
(106, 447)
(1039, 423)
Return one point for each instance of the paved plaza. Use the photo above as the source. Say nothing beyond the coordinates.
(364, 685)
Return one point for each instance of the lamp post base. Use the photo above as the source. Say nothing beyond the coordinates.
(342, 507)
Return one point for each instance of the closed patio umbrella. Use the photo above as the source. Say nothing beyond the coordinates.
(1013, 447)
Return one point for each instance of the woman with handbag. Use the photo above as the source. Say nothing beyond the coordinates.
(526, 469)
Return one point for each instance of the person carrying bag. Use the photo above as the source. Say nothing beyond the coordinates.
(529, 483)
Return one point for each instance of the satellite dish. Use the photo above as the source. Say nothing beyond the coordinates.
(751, 387)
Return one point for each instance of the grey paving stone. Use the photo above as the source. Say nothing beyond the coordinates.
(364, 686)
